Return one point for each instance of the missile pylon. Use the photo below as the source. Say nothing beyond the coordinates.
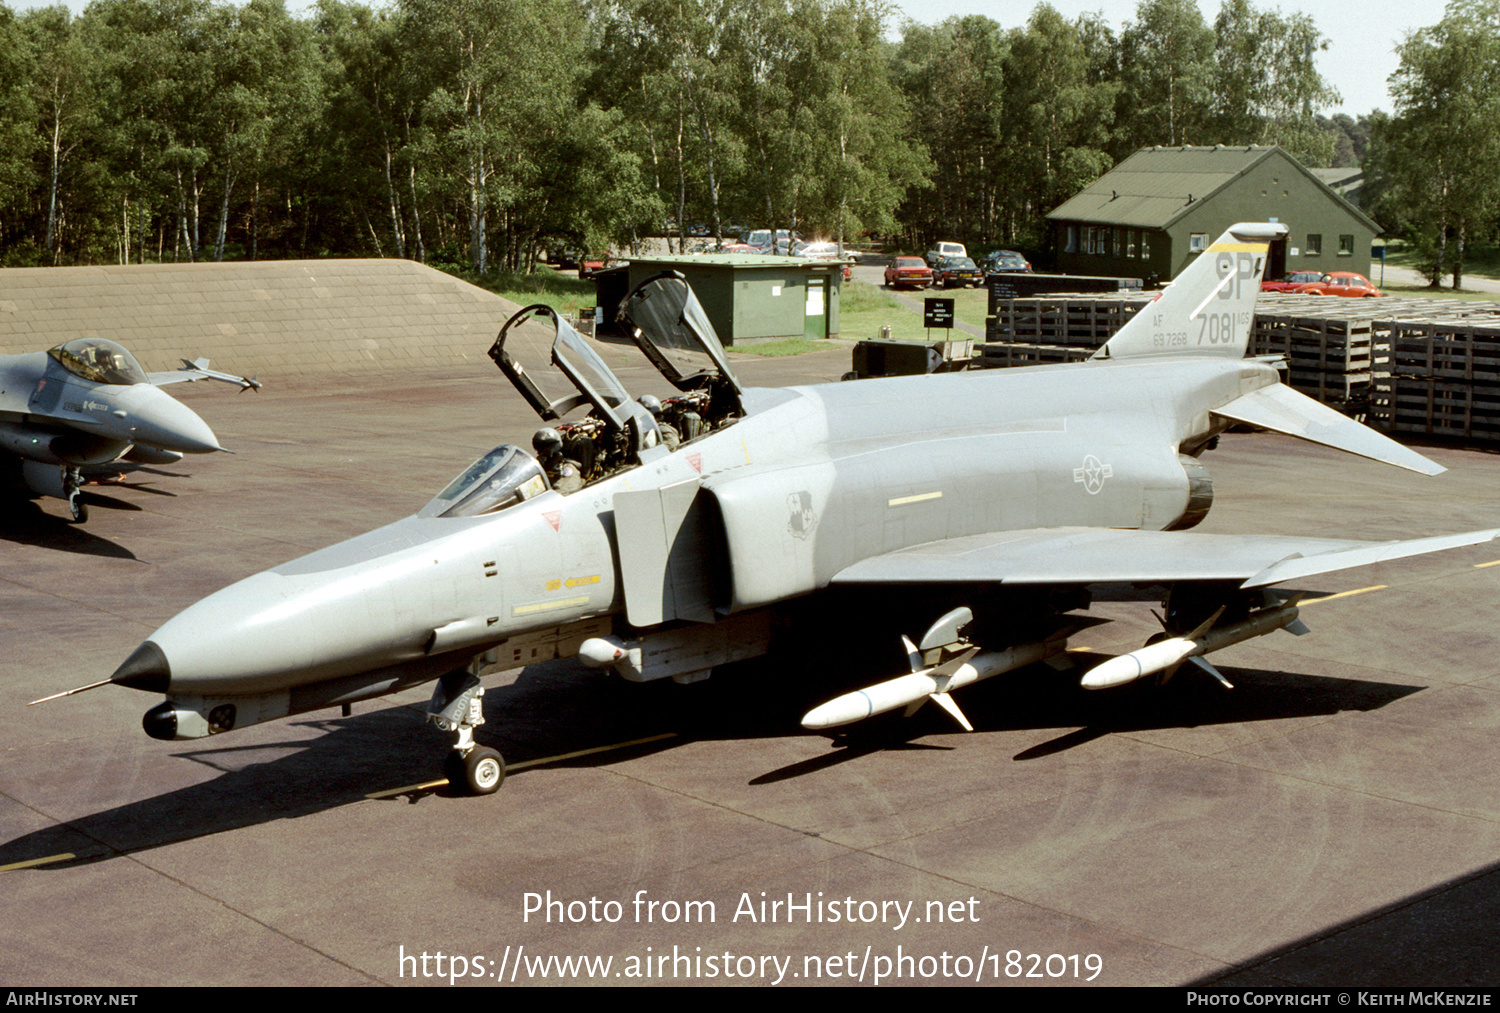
(1166, 655)
(934, 684)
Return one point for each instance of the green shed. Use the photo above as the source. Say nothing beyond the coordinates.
(754, 298)
(1152, 214)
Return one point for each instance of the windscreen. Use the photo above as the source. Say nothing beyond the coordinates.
(502, 478)
(99, 360)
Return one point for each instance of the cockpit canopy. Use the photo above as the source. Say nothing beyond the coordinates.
(502, 478)
(667, 322)
(99, 360)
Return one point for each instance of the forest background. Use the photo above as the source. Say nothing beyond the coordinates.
(478, 134)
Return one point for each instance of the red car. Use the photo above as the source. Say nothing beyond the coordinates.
(1291, 282)
(908, 271)
(1345, 283)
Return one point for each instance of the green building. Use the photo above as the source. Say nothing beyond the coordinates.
(1152, 214)
(747, 297)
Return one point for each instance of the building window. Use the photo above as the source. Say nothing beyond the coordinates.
(1197, 242)
(1145, 246)
(1135, 241)
(1119, 242)
(1314, 244)
(1072, 239)
(1346, 246)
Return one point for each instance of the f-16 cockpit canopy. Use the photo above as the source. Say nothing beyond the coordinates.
(99, 360)
(502, 478)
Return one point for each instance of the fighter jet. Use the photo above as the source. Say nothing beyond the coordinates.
(664, 538)
(89, 402)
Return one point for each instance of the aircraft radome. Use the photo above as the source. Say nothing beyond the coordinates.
(89, 402)
(664, 539)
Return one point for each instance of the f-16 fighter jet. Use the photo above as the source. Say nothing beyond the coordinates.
(89, 402)
(1031, 484)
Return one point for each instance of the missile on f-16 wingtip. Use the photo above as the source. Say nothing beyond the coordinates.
(931, 683)
(1166, 655)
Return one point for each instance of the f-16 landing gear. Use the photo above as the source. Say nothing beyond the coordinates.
(457, 707)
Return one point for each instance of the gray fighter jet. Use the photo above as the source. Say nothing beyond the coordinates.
(1033, 485)
(89, 402)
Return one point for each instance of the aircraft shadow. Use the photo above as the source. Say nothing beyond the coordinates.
(25, 523)
(1445, 936)
(559, 708)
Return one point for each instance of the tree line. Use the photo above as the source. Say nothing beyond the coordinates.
(477, 133)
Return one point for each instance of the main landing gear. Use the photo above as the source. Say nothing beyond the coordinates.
(457, 707)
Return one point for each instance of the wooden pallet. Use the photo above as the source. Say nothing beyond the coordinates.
(1411, 404)
(1005, 354)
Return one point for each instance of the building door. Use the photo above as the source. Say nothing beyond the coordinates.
(815, 319)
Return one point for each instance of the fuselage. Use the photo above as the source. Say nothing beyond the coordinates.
(53, 416)
(812, 480)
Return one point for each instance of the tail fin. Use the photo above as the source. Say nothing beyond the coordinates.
(1209, 308)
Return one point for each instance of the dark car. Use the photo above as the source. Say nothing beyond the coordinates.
(953, 271)
(1005, 262)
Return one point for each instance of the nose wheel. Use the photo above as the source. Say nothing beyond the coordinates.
(481, 771)
(72, 480)
(457, 706)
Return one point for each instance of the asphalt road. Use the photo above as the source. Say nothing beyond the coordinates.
(1333, 820)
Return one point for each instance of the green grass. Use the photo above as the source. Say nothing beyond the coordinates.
(1480, 259)
(564, 293)
(864, 309)
(782, 346)
(1424, 292)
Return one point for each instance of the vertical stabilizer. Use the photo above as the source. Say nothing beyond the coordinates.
(1209, 308)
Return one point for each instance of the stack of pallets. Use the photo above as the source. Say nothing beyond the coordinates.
(1444, 377)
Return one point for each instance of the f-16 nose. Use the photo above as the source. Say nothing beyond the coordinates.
(163, 422)
(146, 669)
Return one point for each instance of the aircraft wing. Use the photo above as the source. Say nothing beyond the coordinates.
(198, 370)
(1111, 555)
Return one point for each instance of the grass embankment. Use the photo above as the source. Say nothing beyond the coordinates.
(563, 292)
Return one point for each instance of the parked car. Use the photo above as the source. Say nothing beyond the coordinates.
(1005, 262)
(1345, 283)
(739, 248)
(1291, 281)
(911, 271)
(822, 251)
(592, 263)
(941, 250)
(953, 271)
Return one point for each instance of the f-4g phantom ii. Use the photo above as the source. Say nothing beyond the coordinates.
(89, 402)
(688, 526)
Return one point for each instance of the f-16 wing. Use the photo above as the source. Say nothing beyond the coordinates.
(198, 370)
(1109, 555)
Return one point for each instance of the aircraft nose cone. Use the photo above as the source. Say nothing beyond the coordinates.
(146, 669)
(165, 423)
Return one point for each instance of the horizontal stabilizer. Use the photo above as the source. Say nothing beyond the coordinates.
(1283, 410)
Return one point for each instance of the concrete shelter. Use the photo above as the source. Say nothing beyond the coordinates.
(267, 317)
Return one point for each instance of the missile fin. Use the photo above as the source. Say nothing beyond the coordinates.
(945, 701)
(1208, 667)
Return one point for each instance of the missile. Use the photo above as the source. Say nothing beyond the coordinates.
(1166, 655)
(930, 683)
